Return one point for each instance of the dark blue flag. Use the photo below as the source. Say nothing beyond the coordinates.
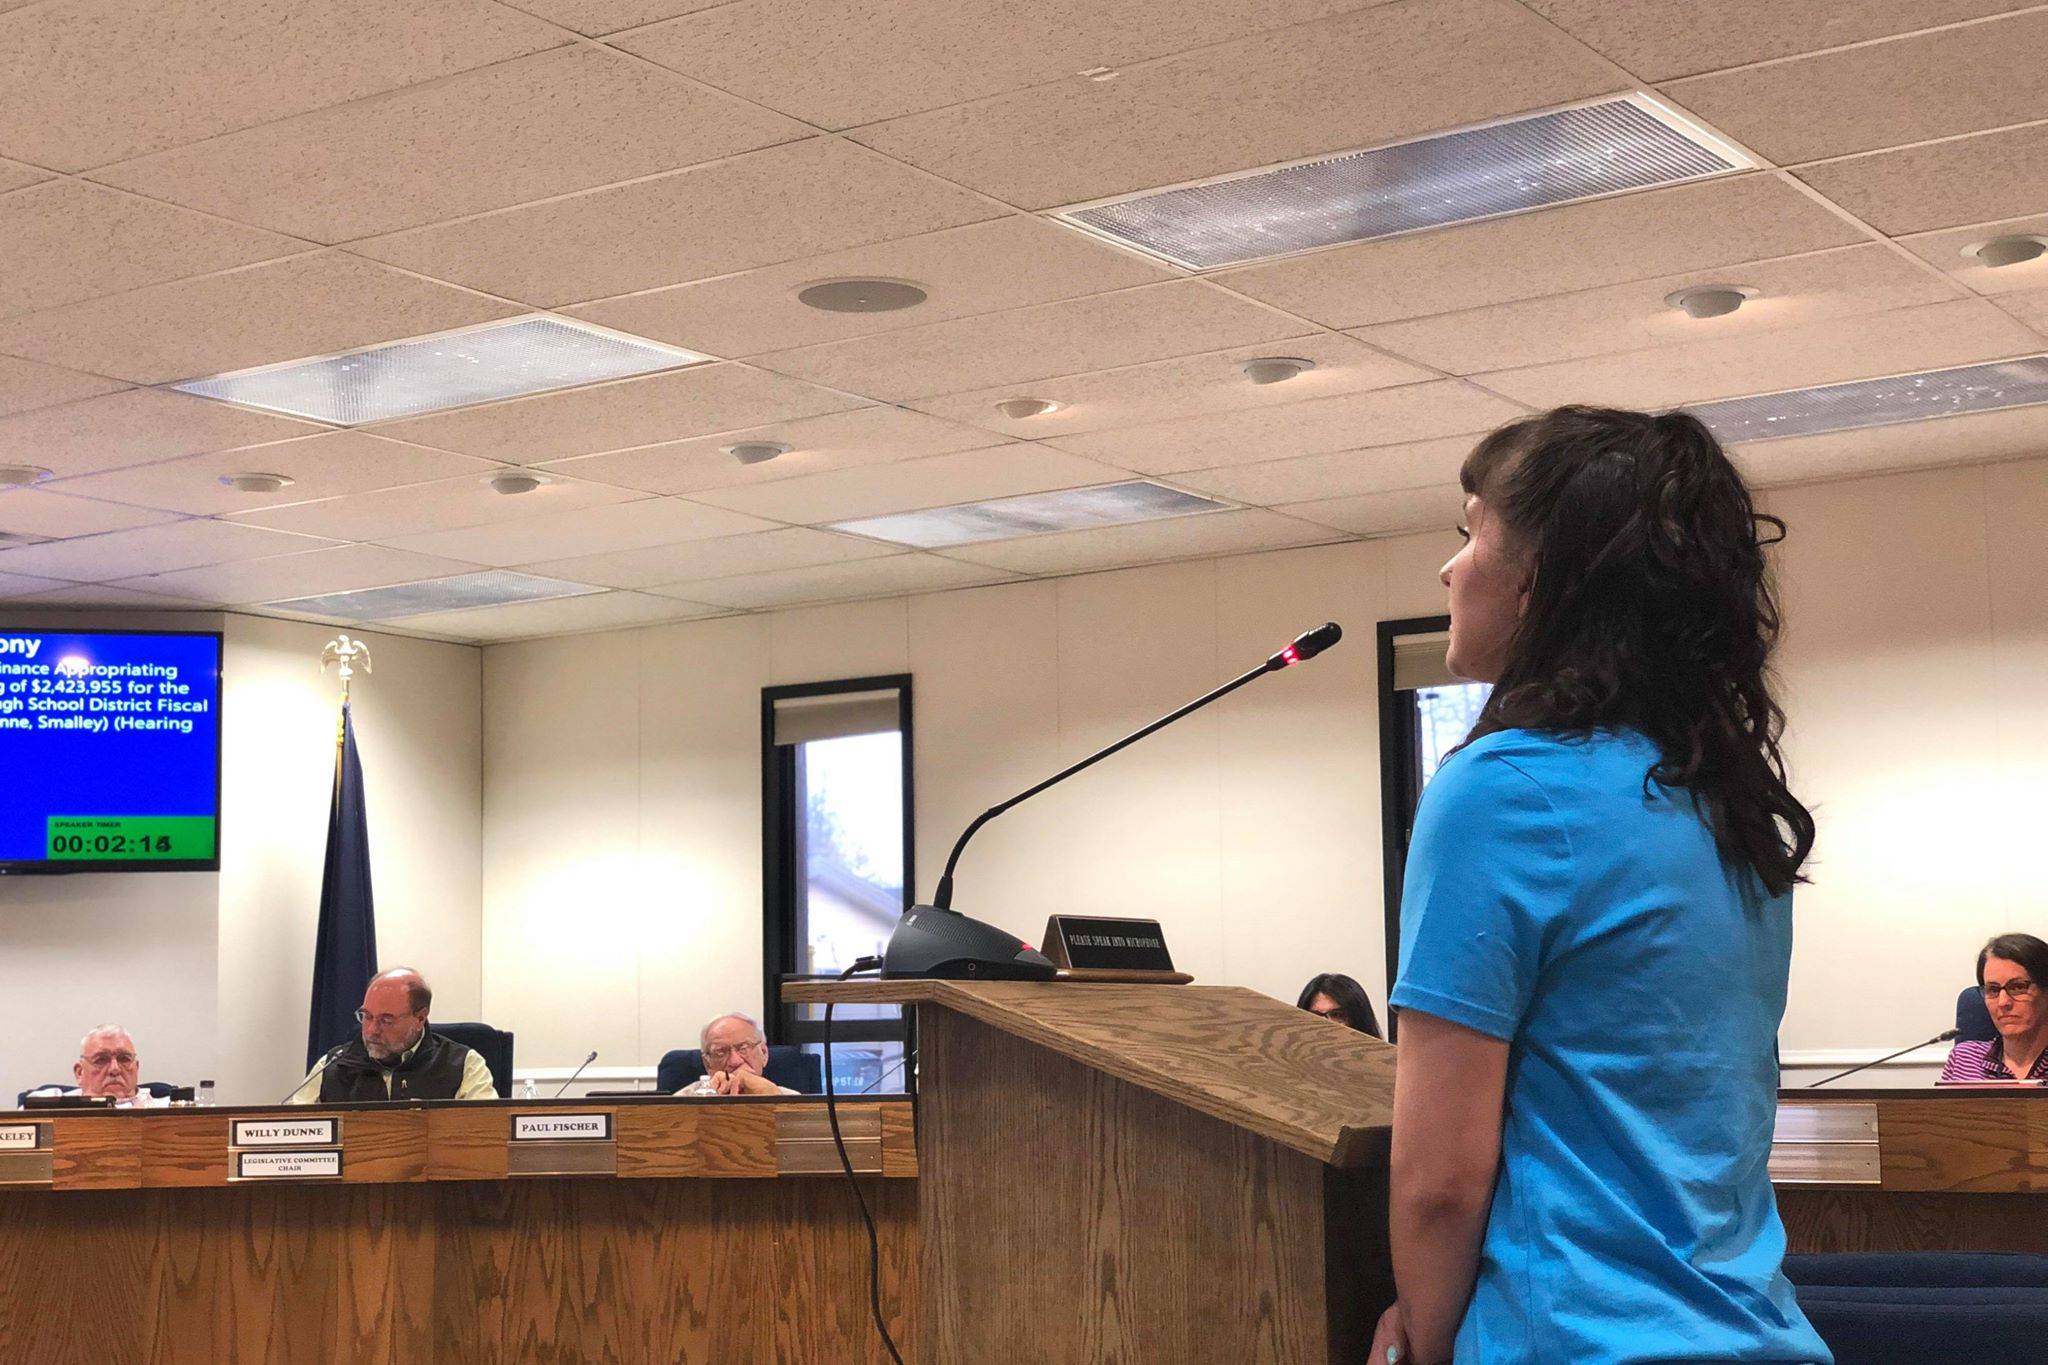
(345, 952)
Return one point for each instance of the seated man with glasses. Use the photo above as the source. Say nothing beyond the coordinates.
(396, 1056)
(735, 1055)
(108, 1065)
(2012, 971)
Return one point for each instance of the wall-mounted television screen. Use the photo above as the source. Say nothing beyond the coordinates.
(109, 751)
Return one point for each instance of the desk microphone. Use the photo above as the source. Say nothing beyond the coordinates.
(1937, 1038)
(336, 1052)
(938, 941)
(574, 1074)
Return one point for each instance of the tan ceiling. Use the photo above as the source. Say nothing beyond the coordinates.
(188, 188)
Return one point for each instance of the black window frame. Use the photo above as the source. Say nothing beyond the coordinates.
(780, 873)
(1401, 782)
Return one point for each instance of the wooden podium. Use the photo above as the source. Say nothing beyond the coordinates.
(1142, 1173)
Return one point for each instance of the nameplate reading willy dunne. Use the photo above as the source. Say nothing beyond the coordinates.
(561, 1127)
(284, 1132)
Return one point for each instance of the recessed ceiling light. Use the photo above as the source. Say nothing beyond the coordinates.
(1708, 301)
(1859, 403)
(21, 475)
(1017, 409)
(1276, 369)
(1607, 146)
(756, 452)
(2003, 251)
(447, 370)
(861, 296)
(512, 482)
(257, 483)
(1033, 514)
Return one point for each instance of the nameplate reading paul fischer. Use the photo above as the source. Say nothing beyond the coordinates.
(561, 1127)
(284, 1132)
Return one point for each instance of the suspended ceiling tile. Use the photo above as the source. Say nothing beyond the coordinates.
(981, 268)
(907, 485)
(1400, 512)
(15, 587)
(323, 466)
(1025, 344)
(290, 310)
(1909, 339)
(1662, 39)
(1338, 474)
(1791, 292)
(1183, 386)
(595, 18)
(25, 385)
(1965, 180)
(555, 616)
(795, 547)
(545, 125)
(1579, 246)
(1387, 417)
(68, 241)
(840, 440)
(841, 66)
(109, 595)
(584, 531)
(894, 576)
(44, 511)
(1883, 94)
(1253, 103)
(151, 549)
(342, 568)
(96, 81)
(448, 504)
(1946, 250)
(1977, 438)
(137, 426)
(1111, 547)
(2029, 306)
(699, 401)
(781, 204)
(14, 176)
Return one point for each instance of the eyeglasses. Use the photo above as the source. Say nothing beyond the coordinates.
(382, 1020)
(1340, 1015)
(724, 1050)
(108, 1058)
(2017, 989)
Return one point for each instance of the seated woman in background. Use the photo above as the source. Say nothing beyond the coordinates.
(1340, 1000)
(2010, 971)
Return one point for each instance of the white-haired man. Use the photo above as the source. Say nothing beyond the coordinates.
(108, 1065)
(735, 1055)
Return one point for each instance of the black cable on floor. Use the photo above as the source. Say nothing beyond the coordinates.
(866, 964)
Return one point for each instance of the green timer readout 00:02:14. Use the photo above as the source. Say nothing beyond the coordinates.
(170, 838)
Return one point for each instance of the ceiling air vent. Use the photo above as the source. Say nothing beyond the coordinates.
(488, 589)
(1033, 514)
(1533, 161)
(1879, 402)
(448, 370)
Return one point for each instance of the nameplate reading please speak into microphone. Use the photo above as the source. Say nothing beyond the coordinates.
(1098, 943)
(288, 1165)
(561, 1127)
(284, 1132)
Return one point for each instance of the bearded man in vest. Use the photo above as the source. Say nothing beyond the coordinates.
(396, 1056)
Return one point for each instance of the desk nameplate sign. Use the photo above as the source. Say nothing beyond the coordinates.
(284, 1133)
(1093, 942)
(561, 1127)
(23, 1137)
(25, 1155)
(295, 1165)
(562, 1144)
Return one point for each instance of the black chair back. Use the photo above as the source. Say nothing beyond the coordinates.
(788, 1065)
(1885, 1308)
(1973, 1017)
(493, 1045)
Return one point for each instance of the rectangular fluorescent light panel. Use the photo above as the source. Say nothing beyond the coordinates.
(492, 588)
(1879, 402)
(1610, 146)
(1033, 514)
(449, 370)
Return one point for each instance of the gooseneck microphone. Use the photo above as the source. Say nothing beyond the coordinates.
(1865, 1066)
(324, 1061)
(937, 941)
(574, 1074)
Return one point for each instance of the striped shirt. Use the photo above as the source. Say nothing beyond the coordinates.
(1972, 1060)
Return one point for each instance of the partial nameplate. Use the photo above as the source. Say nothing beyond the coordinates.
(1098, 943)
(288, 1165)
(561, 1127)
(21, 1137)
(284, 1132)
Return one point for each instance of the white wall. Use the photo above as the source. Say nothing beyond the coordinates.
(622, 896)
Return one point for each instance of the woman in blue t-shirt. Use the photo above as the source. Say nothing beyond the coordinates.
(1596, 922)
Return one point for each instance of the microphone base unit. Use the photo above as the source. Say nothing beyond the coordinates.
(931, 942)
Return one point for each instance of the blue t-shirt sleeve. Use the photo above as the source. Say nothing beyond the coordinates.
(1486, 888)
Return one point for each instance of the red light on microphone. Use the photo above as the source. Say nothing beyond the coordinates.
(1288, 654)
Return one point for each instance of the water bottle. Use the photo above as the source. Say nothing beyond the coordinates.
(205, 1098)
(528, 1090)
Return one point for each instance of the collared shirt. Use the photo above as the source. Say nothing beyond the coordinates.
(477, 1083)
(702, 1086)
(141, 1099)
(1976, 1060)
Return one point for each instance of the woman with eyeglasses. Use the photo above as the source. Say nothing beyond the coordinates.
(1341, 1000)
(1596, 922)
(2010, 972)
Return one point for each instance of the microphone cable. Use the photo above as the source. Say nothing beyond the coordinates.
(865, 964)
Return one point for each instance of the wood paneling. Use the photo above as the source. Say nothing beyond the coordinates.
(98, 1153)
(1881, 1220)
(1985, 1145)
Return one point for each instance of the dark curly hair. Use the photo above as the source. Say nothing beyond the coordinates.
(1650, 607)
